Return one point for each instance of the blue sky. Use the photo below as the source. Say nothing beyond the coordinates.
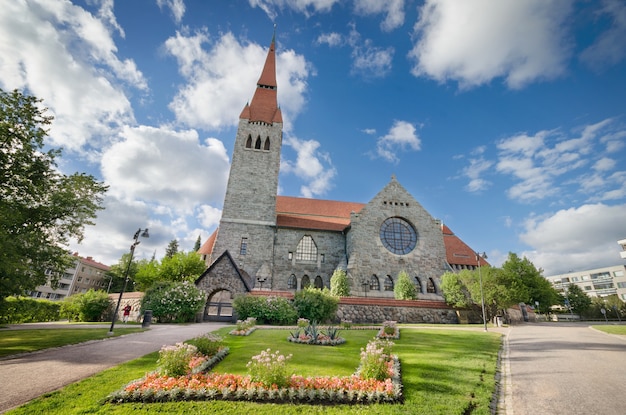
(505, 119)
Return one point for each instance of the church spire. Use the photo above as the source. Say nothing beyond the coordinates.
(264, 105)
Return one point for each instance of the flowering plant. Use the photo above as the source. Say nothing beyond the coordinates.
(311, 335)
(389, 330)
(376, 360)
(244, 327)
(269, 369)
(175, 360)
(303, 322)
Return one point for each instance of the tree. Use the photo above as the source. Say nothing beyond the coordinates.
(404, 288)
(181, 267)
(198, 244)
(454, 290)
(172, 248)
(339, 286)
(578, 300)
(118, 273)
(535, 287)
(41, 209)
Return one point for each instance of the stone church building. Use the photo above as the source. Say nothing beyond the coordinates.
(266, 243)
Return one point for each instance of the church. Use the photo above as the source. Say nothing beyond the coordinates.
(268, 244)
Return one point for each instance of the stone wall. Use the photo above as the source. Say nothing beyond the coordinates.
(363, 310)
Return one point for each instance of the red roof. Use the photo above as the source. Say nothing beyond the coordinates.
(457, 251)
(298, 212)
(207, 247)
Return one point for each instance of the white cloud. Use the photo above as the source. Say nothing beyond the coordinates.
(474, 41)
(332, 39)
(402, 136)
(369, 60)
(57, 52)
(306, 7)
(177, 7)
(209, 216)
(477, 167)
(576, 238)
(311, 165)
(608, 49)
(218, 80)
(394, 10)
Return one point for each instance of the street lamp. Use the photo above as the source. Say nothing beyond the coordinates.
(480, 280)
(144, 234)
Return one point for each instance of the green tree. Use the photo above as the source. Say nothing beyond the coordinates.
(181, 267)
(89, 306)
(339, 286)
(147, 274)
(404, 288)
(578, 300)
(172, 248)
(197, 245)
(454, 290)
(535, 287)
(118, 272)
(41, 209)
(315, 304)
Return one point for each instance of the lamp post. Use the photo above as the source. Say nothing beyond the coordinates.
(480, 280)
(144, 234)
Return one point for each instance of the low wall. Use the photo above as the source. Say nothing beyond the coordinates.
(375, 310)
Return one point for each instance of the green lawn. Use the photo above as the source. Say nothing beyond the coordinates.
(612, 329)
(30, 340)
(443, 371)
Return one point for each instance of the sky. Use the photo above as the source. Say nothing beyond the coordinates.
(504, 119)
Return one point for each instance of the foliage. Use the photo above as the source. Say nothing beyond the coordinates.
(181, 266)
(146, 275)
(267, 310)
(578, 300)
(315, 304)
(454, 290)
(41, 208)
(176, 302)
(175, 360)
(614, 307)
(172, 249)
(375, 359)
(209, 344)
(197, 245)
(389, 330)
(16, 310)
(89, 306)
(244, 327)
(269, 369)
(404, 288)
(118, 271)
(339, 285)
(537, 288)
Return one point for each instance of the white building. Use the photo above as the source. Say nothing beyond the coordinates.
(599, 282)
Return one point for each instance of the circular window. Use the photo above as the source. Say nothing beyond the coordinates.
(398, 236)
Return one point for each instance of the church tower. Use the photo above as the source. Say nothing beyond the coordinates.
(248, 221)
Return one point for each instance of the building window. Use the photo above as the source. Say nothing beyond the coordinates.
(290, 255)
(388, 283)
(266, 146)
(374, 283)
(318, 282)
(257, 145)
(430, 286)
(322, 258)
(305, 282)
(621, 285)
(249, 141)
(243, 249)
(418, 285)
(292, 283)
(306, 251)
(398, 236)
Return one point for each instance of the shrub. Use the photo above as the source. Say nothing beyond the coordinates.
(376, 359)
(339, 286)
(209, 344)
(269, 369)
(176, 302)
(315, 304)
(404, 288)
(89, 306)
(267, 310)
(14, 310)
(174, 360)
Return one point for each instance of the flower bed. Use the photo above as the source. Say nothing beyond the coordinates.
(312, 335)
(244, 327)
(389, 330)
(246, 332)
(322, 340)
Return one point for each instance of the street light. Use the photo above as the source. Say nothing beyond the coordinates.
(480, 280)
(144, 234)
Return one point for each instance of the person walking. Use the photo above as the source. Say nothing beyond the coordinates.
(127, 312)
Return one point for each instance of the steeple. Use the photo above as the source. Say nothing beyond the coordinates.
(264, 105)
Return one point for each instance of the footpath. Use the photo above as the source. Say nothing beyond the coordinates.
(31, 375)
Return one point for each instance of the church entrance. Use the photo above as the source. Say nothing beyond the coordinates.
(219, 307)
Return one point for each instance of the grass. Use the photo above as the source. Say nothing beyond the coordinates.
(30, 340)
(612, 329)
(443, 371)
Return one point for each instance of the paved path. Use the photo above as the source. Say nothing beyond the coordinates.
(31, 375)
(563, 368)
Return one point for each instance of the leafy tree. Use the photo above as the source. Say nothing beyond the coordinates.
(181, 267)
(339, 286)
(536, 287)
(454, 290)
(118, 271)
(172, 248)
(578, 300)
(176, 302)
(315, 304)
(404, 288)
(41, 209)
(197, 245)
(147, 274)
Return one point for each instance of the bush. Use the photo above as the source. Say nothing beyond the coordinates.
(174, 360)
(315, 304)
(404, 288)
(267, 310)
(89, 306)
(375, 360)
(269, 369)
(15, 310)
(208, 345)
(176, 302)
(339, 286)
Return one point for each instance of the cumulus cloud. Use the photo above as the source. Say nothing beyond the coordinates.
(219, 76)
(402, 136)
(576, 238)
(393, 10)
(57, 52)
(474, 42)
(306, 7)
(177, 8)
(332, 39)
(312, 165)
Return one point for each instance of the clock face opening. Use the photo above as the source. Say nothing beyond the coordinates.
(398, 235)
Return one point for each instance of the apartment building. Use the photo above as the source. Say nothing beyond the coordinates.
(599, 282)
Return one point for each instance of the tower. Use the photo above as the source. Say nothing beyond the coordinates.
(248, 220)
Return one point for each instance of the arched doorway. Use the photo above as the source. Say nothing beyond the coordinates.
(219, 307)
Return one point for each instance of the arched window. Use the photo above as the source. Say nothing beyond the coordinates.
(305, 282)
(249, 141)
(388, 283)
(430, 286)
(292, 283)
(318, 282)
(257, 145)
(418, 285)
(374, 283)
(266, 146)
(306, 250)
